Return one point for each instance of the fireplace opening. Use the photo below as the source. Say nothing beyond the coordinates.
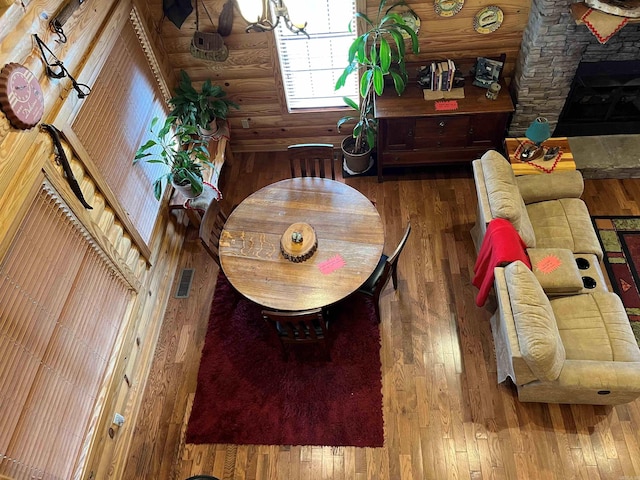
(604, 100)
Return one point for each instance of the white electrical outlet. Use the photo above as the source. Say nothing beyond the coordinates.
(118, 420)
(245, 123)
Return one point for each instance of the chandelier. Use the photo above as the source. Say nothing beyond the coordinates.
(260, 14)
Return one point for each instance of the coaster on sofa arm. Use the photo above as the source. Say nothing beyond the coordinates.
(556, 270)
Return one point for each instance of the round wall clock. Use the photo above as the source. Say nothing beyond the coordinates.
(21, 97)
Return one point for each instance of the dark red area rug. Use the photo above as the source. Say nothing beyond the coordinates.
(248, 394)
(620, 239)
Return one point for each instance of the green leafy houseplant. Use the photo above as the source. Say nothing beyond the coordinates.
(378, 52)
(199, 108)
(179, 148)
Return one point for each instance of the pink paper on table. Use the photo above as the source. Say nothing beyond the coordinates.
(446, 105)
(332, 264)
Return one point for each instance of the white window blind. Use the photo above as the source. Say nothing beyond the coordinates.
(61, 310)
(114, 121)
(311, 66)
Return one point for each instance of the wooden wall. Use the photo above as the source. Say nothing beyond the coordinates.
(26, 157)
(251, 74)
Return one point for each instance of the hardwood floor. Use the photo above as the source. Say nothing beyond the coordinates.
(445, 415)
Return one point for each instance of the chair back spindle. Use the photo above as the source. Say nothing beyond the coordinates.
(387, 267)
(211, 229)
(295, 328)
(312, 160)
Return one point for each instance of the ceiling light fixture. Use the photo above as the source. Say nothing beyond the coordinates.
(260, 13)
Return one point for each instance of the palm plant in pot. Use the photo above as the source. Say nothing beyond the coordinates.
(376, 53)
(184, 153)
(202, 108)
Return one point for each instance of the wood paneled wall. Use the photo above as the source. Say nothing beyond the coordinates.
(251, 74)
(25, 158)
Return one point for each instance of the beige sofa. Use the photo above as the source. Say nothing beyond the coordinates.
(546, 210)
(564, 349)
(560, 335)
(549, 215)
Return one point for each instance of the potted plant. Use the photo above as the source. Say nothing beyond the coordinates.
(200, 109)
(177, 146)
(378, 52)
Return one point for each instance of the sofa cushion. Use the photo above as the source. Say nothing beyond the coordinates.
(504, 197)
(538, 336)
(564, 223)
(539, 188)
(595, 326)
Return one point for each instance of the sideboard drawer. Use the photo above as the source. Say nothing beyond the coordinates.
(441, 131)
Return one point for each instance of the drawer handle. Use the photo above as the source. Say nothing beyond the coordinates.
(410, 134)
(442, 124)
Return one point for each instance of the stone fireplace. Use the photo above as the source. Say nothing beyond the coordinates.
(553, 47)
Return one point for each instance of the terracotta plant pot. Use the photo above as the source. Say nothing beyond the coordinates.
(355, 162)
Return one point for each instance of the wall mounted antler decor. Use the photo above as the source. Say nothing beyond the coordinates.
(56, 69)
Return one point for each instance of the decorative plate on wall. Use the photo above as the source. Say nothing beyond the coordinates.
(412, 20)
(488, 19)
(447, 8)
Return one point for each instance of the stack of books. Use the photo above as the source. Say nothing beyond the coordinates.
(442, 74)
(440, 80)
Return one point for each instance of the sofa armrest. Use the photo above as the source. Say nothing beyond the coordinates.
(484, 209)
(552, 186)
(509, 359)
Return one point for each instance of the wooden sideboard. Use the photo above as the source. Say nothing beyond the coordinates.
(411, 132)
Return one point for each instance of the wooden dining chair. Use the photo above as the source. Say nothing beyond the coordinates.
(387, 267)
(300, 328)
(211, 227)
(312, 160)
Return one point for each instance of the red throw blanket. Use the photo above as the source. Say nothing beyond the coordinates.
(501, 245)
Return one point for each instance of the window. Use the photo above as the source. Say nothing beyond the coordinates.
(112, 135)
(311, 66)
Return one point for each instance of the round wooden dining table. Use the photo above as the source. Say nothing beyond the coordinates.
(349, 232)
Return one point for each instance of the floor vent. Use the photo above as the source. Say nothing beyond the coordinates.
(184, 286)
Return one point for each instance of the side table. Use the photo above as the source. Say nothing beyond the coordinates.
(566, 161)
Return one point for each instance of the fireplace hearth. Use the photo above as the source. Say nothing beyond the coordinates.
(604, 100)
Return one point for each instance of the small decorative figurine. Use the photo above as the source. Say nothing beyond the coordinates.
(296, 237)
